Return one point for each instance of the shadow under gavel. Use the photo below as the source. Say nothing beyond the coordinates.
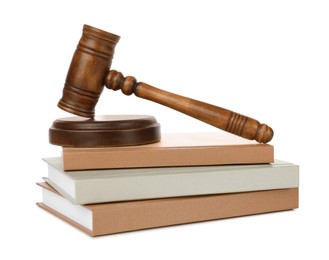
(89, 72)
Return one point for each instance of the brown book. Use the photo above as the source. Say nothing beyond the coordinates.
(110, 218)
(181, 149)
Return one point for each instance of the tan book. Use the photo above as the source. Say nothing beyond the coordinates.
(180, 149)
(109, 218)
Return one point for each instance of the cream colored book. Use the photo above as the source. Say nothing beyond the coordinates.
(97, 186)
(109, 218)
(174, 149)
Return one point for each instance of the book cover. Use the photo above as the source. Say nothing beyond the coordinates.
(97, 186)
(110, 218)
(179, 149)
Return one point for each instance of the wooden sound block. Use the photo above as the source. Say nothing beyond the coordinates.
(104, 131)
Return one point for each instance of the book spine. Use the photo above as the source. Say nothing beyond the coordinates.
(173, 184)
(159, 213)
(84, 159)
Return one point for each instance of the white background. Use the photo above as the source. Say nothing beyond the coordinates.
(265, 59)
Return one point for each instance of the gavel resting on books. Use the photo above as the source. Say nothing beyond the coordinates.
(90, 71)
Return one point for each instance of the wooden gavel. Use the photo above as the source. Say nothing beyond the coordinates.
(89, 72)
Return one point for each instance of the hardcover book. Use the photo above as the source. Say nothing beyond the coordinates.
(116, 217)
(97, 186)
(180, 149)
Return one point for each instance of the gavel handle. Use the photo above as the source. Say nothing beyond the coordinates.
(221, 118)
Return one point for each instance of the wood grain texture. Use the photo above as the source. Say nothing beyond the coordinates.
(89, 71)
(89, 65)
(104, 131)
(221, 118)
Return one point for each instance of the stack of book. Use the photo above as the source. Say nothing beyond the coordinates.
(184, 178)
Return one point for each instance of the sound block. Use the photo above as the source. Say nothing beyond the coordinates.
(104, 131)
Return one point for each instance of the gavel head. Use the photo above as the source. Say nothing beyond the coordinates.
(89, 66)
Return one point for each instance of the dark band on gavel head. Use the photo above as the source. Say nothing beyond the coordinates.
(89, 72)
(89, 66)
